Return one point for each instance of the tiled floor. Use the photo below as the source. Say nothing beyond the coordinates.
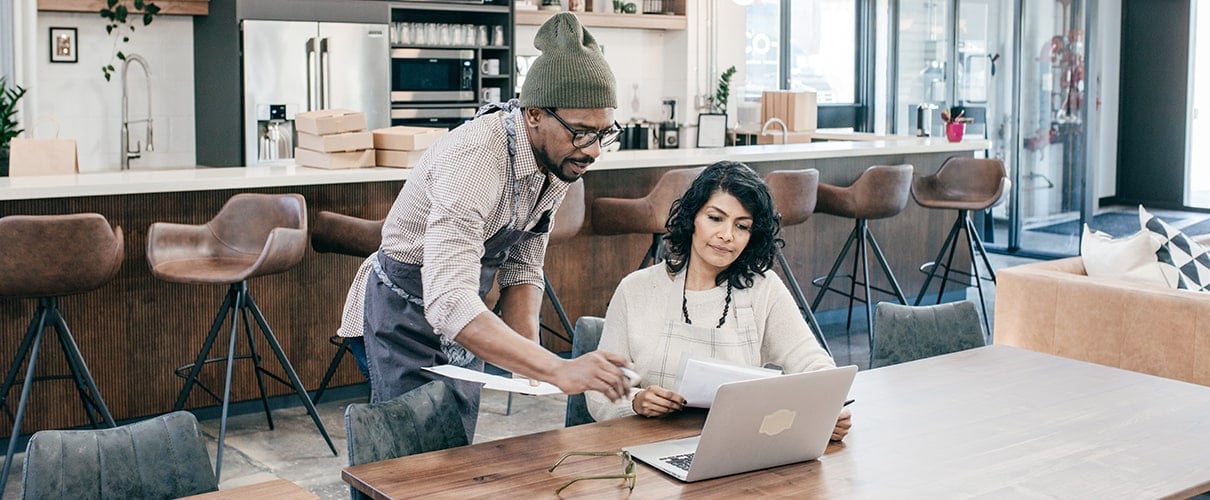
(295, 450)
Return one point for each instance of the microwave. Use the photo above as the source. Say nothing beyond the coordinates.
(433, 75)
(444, 117)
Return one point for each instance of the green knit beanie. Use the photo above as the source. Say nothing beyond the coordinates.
(571, 72)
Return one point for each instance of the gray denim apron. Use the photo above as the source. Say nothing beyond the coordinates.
(399, 341)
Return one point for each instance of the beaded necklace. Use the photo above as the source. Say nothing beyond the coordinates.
(685, 302)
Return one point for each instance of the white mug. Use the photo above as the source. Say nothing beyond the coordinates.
(490, 94)
(490, 66)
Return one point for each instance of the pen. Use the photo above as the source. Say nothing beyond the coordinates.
(847, 403)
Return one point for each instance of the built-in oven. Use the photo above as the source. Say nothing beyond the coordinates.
(444, 117)
(433, 75)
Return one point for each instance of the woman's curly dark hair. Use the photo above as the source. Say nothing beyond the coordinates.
(740, 181)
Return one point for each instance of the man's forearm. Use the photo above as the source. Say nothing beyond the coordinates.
(493, 341)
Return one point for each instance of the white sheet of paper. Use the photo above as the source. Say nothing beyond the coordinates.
(489, 381)
(700, 378)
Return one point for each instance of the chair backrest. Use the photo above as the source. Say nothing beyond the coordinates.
(570, 216)
(794, 193)
(881, 191)
(55, 255)
(588, 335)
(162, 457)
(246, 220)
(908, 333)
(421, 420)
(963, 182)
(646, 215)
(347, 235)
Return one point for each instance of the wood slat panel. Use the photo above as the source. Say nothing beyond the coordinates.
(167, 7)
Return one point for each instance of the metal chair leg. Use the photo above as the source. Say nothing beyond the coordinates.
(40, 319)
(86, 385)
(949, 239)
(342, 347)
(801, 300)
(256, 367)
(290, 373)
(558, 306)
(196, 368)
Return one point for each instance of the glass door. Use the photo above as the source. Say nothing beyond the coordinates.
(1048, 202)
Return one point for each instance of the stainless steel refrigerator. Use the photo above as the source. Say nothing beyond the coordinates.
(295, 66)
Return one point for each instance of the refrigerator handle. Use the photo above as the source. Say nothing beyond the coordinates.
(325, 82)
(312, 96)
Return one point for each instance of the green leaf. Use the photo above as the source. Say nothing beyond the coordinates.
(146, 19)
(152, 8)
(125, 39)
(121, 56)
(112, 3)
(138, 4)
(121, 12)
(108, 29)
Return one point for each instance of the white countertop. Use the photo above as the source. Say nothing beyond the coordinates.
(142, 181)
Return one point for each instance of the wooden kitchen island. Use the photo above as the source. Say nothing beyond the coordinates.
(134, 331)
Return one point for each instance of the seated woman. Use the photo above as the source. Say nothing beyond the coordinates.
(711, 297)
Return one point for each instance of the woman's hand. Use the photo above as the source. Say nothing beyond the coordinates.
(656, 401)
(843, 423)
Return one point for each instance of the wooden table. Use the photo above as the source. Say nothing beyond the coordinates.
(993, 422)
(279, 489)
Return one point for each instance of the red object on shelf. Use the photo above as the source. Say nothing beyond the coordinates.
(954, 131)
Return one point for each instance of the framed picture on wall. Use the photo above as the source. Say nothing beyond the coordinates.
(63, 47)
(711, 130)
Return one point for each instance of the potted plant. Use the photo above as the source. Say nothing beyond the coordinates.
(8, 120)
(723, 93)
(118, 25)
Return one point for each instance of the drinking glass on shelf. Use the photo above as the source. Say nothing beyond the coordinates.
(430, 34)
(498, 36)
(444, 30)
(481, 35)
(404, 36)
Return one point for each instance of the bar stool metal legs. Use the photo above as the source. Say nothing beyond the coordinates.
(963, 225)
(801, 300)
(864, 238)
(239, 304)
(47, 315)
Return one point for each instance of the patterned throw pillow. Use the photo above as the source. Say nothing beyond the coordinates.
(1191, 259)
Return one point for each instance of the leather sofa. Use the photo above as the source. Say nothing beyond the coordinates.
(1054, 307)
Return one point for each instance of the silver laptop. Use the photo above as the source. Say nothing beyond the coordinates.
(757, 424)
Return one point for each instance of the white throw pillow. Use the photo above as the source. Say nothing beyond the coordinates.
(1188, 258)
(1130, 258)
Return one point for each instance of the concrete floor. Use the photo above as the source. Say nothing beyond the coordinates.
(296, 451)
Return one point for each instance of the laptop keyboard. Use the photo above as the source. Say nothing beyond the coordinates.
(679, 461)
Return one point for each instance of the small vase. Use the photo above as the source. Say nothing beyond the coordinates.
(954, 131)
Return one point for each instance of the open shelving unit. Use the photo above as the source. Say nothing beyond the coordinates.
(673, 17)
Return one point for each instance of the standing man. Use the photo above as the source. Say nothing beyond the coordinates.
(478, 209)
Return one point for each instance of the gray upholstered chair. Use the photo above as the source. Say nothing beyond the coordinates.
(421, 420)
(908, 333)
(588, 335)
(162, 457)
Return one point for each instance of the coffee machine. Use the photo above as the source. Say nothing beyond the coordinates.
(275, 132)
(669, 132)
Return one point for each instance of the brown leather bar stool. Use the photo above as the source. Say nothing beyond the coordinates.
(646, 215)
(794, 194)
(966, 185)
(47, 257)
(880, 192)
(346, 235)
(252, 235)
(569, 219)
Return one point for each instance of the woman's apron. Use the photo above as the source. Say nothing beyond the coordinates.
(399, 341)
(738, 341)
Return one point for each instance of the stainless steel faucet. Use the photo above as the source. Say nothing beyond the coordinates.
(785, 131)
(126, 153)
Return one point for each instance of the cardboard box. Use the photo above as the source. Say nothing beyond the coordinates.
(400, 138)
(774, 137)
(797, 109)
(318, 159)
(398, 159)
(330, 121)
(348, 141)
